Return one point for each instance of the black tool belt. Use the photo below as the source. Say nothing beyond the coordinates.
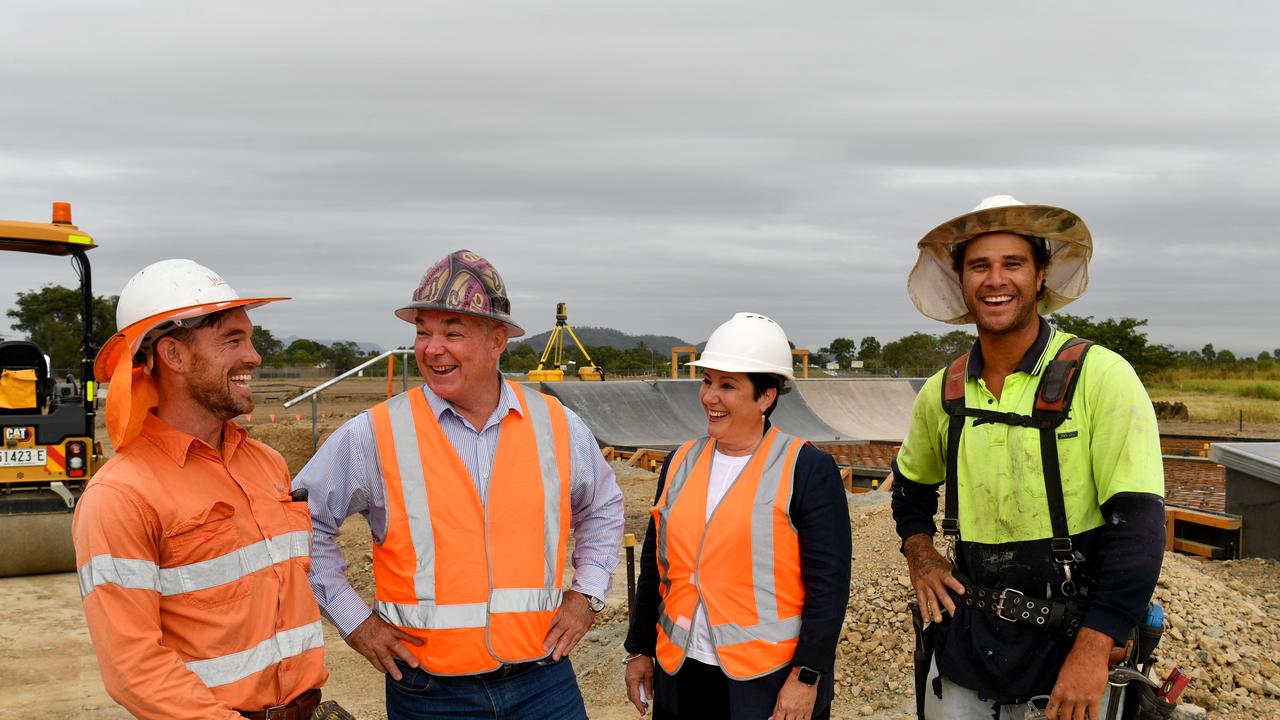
(1060, 617)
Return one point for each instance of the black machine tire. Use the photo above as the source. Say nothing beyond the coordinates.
(35, 534)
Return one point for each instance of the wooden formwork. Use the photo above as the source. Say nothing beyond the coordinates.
(1218, 521)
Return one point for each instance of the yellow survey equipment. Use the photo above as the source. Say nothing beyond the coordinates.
(47, 450)
(554, 351)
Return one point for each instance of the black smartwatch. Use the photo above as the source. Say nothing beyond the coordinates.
(808, 675)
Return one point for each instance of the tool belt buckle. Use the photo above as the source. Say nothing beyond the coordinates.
(999, 608)
(275, 712)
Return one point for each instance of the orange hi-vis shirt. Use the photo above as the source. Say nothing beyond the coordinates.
(478, 581)
(193, 569)
(743, 564)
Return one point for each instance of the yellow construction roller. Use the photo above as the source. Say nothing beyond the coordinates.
(36, 539)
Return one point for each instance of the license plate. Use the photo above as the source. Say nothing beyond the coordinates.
(22, 456)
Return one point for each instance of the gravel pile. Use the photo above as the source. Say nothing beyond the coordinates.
(1223, 628)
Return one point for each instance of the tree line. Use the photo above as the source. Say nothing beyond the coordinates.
(50, 317)
(920, 352)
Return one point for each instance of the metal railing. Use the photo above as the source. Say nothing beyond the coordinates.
(314, 393)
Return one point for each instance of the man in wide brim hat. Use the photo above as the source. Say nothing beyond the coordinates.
(934, 283)
(1048, 454)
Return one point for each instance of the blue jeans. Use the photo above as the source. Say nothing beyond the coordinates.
(541, 692)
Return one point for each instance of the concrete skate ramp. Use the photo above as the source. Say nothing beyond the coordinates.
(864, 409)
(627, 413)
(792, 415)
(665, 413)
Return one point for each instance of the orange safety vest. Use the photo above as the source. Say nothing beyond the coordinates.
(479, 593)
(743, 564)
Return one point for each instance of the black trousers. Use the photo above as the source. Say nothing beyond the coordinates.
(703, 692)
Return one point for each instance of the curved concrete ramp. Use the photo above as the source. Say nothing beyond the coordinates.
(626, 413)
(792, 415)
(665, 413)
(865, 409)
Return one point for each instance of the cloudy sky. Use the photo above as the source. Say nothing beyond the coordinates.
(657, 165)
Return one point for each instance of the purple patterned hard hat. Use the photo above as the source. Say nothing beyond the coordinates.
(462, 282)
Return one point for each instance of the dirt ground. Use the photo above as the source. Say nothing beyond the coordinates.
(48, 669)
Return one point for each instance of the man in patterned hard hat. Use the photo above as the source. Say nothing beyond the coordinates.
(470, 485)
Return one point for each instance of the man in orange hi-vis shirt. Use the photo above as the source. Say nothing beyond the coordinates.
(192, 551)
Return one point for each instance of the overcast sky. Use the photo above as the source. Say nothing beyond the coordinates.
(657, 165)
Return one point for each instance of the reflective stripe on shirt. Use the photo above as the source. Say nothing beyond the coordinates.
(146, 575)
(227, 669)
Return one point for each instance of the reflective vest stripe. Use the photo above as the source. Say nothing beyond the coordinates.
(414, 489)
(540, 416)
(680, 469)
(426, 616)
(762, 560)
(227, 669)
(146, 575)
(774, 631)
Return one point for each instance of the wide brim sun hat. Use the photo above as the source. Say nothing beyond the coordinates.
(462, 282)
(934, 285)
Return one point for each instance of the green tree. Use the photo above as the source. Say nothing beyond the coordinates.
(955, 343)
(1123, 335)
(50, 318)
(843, 350)
(268, 346)
(1225, 357)
(869, 349)
(1208, 354)
(519, 358)
(344, 355)
(305, 352)
(916, 352)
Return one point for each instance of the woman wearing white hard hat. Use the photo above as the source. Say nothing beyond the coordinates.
(744, 575)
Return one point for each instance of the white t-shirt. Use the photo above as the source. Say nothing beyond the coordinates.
(724, 470)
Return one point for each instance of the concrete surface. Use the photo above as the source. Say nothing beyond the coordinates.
(662, 414)
(862, 409)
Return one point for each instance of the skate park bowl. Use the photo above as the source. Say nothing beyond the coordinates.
(663, 414)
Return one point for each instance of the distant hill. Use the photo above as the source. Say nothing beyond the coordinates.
(365, 347)
(607, 337)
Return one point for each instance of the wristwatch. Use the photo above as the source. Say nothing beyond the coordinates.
(595, 603)
(808, 675)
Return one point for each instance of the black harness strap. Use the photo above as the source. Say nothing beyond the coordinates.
(1053, 405)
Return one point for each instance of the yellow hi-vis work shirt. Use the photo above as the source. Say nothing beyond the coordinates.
(1109, 444)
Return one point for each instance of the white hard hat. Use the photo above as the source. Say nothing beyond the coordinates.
(934, 285)
(160, 296)
(751, 343)
(168, 291)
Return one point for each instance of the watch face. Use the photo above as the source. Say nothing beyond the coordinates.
(595, 603)
(808, 676)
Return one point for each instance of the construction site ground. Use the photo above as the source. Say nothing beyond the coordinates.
(1224, 617)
